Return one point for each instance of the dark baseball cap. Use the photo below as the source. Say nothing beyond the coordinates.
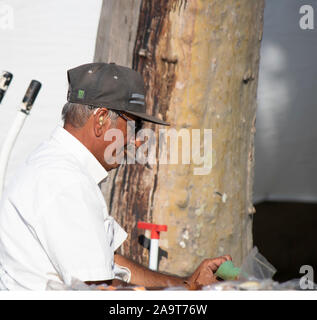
(110, 86)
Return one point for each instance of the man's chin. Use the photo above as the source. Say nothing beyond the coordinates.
(110, 167)
(119, 158)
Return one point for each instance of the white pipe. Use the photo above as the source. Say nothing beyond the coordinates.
(8, 145)
(154, 254)
(5, 80)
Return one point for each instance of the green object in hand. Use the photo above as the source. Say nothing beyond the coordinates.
(227, 271)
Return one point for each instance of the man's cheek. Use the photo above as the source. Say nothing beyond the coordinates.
(114, 152)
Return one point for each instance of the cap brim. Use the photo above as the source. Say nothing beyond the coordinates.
(147, 117)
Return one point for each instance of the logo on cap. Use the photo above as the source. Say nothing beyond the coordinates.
(81, 94)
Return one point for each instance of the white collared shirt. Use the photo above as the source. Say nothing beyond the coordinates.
(54, 222)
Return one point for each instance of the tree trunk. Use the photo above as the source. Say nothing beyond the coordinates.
(200, 62)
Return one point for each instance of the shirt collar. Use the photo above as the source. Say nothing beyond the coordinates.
(82, 154)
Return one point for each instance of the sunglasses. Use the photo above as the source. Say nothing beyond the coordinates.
(138, 124)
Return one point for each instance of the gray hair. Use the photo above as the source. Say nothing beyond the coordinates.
(77, 114)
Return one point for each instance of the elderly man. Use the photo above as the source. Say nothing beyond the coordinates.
(54, 223)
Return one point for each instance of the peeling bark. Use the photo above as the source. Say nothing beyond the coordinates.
(200, 61)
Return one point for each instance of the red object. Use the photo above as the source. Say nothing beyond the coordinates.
(155, 228)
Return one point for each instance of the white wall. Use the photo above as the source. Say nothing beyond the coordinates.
(48, 38)
(286, 137)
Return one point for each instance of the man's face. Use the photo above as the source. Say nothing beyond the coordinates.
(120, 139)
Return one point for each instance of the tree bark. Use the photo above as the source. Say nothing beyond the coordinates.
(200, 62)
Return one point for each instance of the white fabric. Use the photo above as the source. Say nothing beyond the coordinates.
(122, 273)
(54, 223)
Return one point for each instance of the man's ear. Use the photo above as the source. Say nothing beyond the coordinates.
(101, 121)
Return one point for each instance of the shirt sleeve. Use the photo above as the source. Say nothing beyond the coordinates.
(119, 235)
(122, 273)
(74, 235)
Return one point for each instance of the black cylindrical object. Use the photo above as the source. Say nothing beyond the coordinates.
(5, 81)
(31, 94)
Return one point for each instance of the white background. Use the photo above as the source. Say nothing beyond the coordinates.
(48, 38)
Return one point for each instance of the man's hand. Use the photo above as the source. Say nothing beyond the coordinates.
(204, 274)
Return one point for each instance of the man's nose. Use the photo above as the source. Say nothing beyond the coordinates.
(138, 143)
(135, 141)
